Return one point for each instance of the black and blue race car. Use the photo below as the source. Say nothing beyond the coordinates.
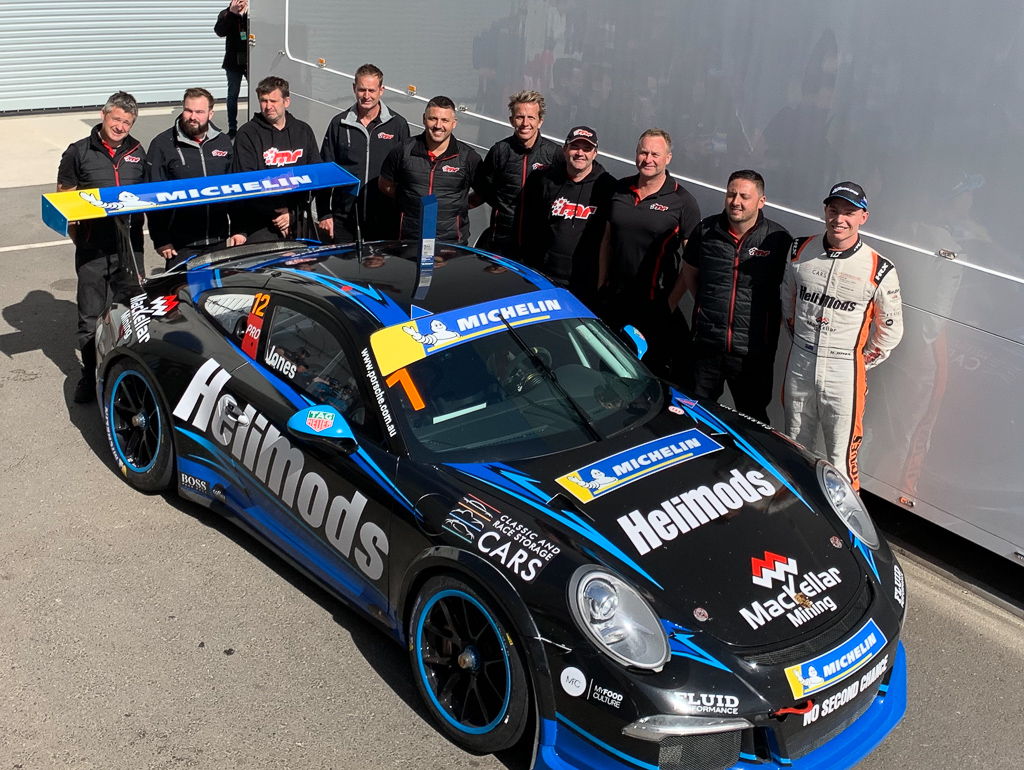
(576, 555)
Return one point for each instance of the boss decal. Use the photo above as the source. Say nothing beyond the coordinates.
(500, 538)
(611, 473)
(193, 483)
(692, 509)
(280, 468)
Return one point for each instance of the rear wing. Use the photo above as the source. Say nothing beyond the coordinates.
(61, 208)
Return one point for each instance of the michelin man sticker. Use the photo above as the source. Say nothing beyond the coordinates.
(438, 333)
(126, 201)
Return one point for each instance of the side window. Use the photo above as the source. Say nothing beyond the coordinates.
(307, 354)
(231, 313)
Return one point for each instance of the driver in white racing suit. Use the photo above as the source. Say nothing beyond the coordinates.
(841, 303)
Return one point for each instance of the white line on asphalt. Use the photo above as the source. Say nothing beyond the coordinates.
(40, 245)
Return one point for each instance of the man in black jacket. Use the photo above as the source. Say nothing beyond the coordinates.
(109, 157)
(508, 164)
(192, 147)
(436, 163)
(274, 138)
(359, 139)
(562, 217)
(733, 264)
(233, 25)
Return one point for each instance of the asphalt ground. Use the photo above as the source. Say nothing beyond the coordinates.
(140, 631)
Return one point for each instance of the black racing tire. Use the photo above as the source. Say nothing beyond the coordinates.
(467, 667)
(138, 427)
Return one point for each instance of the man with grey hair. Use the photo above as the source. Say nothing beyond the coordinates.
(508, 163)
(108, 157)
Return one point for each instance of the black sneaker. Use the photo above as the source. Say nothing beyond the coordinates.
(85, 391)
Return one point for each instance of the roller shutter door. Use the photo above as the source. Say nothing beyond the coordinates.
(75, 53)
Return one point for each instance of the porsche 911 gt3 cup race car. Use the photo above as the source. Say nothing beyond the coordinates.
(572, 551)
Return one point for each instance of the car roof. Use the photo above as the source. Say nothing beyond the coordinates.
(383, 277)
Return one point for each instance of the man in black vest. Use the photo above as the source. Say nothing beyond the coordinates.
(109, 157)
(733, 264)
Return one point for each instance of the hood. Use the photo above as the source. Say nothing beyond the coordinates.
(701, 519)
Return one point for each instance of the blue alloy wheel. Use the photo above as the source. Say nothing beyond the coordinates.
(467, 667)
(137, 428)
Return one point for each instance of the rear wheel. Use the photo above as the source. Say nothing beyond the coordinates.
(138, 428)
(467, 667)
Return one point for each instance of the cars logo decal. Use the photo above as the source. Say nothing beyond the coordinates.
(694, 508)
(525, 489)
(398, 346)
(513, 545)
(616, 471)
(837, 664)
(797, 602)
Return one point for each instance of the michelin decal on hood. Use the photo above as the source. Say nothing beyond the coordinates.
(618, 470)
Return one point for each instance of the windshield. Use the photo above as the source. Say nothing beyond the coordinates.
(523, 392)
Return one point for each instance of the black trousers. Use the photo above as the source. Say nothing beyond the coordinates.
(749, 378)
(101, 280)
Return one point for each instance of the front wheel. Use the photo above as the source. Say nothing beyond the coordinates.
(138, 428)
(467, 667)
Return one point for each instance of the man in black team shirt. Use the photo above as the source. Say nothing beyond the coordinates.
(649, 220)
(109, 157)
(562, 217)
(359, 139)
(274, 138)
(733, 264)
(509, 163)
(437, 163)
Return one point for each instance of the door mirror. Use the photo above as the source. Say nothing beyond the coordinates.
(636, 340)
(323, 423)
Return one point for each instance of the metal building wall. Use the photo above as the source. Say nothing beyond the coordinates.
(75, 53)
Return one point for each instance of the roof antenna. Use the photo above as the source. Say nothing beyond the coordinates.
(428, 236)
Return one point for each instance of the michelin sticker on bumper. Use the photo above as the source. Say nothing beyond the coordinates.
(618, 470)
(838, 663)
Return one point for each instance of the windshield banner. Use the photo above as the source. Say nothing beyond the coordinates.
(398, 346)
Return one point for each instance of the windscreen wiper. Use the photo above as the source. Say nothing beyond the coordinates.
(538, 362)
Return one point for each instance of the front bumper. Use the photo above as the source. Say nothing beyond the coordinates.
(567, 746)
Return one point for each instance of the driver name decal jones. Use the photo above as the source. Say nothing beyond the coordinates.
(279, 466)
(692, 509)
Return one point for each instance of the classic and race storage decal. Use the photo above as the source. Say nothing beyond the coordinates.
(400, 345)
(838, 663)
(614, 472)
(518, 548)
(798, 602)
(692, 509)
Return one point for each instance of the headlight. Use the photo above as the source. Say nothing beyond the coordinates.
(846, 503)
(614, 615)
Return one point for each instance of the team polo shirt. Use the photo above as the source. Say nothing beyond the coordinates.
(646, 235)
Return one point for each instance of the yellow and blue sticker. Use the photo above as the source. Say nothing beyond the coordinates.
(837, 664)
(618, 470)
(397, 346)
